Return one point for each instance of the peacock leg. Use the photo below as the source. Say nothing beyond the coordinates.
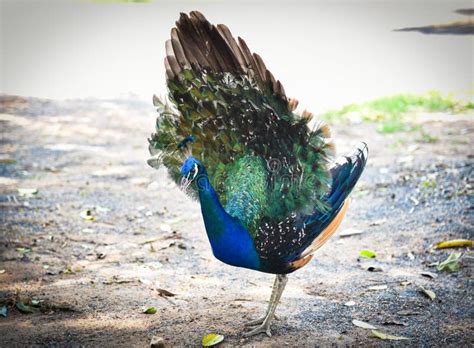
(272, 297)
(265, 326)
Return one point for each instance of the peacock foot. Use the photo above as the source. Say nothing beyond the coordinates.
(255, 322)
(260, 320)
(264, 328)
(264, 323)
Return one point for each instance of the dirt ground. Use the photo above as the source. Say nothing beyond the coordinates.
(96, 277)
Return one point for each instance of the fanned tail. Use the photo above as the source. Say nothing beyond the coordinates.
(238, 114)
(300, 236)
(345, 173)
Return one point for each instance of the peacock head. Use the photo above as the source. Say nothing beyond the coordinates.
(190, 171)
(191, 167)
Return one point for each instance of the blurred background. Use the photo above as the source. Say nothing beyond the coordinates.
(326, 53)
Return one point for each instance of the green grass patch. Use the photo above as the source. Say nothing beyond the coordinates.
(396, 113)
(429, 184)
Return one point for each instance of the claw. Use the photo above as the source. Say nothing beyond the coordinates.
(260, 321)
(264, 328)
(255, 322)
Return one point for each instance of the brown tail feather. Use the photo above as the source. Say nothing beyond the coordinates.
(225, 32)
(198, 44)
(297, 264)
(178, 50)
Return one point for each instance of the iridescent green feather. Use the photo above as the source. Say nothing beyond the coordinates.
(246, 191)
(261, 158)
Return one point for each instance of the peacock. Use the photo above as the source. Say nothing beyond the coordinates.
(269, 189)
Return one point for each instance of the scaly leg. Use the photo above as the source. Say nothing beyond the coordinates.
(265, 327)
(258, 321)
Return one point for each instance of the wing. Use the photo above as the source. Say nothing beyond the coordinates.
(225, 97)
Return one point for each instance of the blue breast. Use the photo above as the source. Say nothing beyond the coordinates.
(230, 241)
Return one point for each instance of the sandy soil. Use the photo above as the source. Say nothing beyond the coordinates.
(95, 277)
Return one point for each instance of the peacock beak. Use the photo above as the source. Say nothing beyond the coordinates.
(185, 182)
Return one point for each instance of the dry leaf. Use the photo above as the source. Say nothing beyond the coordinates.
(374, 269)
(407, 312)
(378, 222)
(150, 310)
(23, 308)
(367, 253)
(350, 232)
(117, 280)
(363, 324)
(211, 340)
(165, 293)
(36, 302)
(7, 161)
(428, 293)
(394, 322)
(385, 336)
(455, 243)
(429, 275)
(150, 241)
(27, 192)
(23, 250)
(451, 264)
(377, 287)
(86, 215)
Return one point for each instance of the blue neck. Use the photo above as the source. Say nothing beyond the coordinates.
(230, 241)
